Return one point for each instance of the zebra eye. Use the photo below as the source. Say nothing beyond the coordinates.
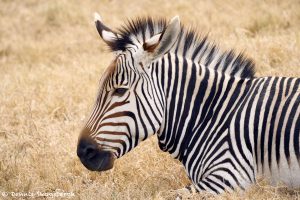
(120, 91)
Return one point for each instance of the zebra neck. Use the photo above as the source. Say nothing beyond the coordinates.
(190, 91)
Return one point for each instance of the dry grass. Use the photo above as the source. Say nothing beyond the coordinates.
(51, 59)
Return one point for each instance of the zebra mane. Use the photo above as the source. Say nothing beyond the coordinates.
(189, 44)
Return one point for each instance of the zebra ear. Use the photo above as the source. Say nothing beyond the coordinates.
(161, 43)
(108, 36)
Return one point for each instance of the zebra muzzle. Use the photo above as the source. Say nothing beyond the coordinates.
(93, 158)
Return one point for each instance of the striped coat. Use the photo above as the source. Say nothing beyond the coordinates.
(225, 125)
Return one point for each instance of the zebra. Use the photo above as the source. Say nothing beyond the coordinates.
(206, 106)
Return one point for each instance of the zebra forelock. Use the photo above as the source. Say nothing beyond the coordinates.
(190, 45)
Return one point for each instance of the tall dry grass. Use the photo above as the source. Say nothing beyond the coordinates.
(51, 59)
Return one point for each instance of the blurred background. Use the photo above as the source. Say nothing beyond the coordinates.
(51, 60)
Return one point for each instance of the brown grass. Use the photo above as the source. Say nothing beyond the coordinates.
(51, 59)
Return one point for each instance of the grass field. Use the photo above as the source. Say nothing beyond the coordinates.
(51, 59)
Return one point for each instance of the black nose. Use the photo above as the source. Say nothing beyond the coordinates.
(86, 149)
(92, 157)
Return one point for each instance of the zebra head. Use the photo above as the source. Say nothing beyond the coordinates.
(130, 103)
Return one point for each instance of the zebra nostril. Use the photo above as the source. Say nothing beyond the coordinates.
(90, 152)
(86, 150)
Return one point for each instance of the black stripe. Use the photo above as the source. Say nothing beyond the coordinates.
(257, 119)
(272, 124)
